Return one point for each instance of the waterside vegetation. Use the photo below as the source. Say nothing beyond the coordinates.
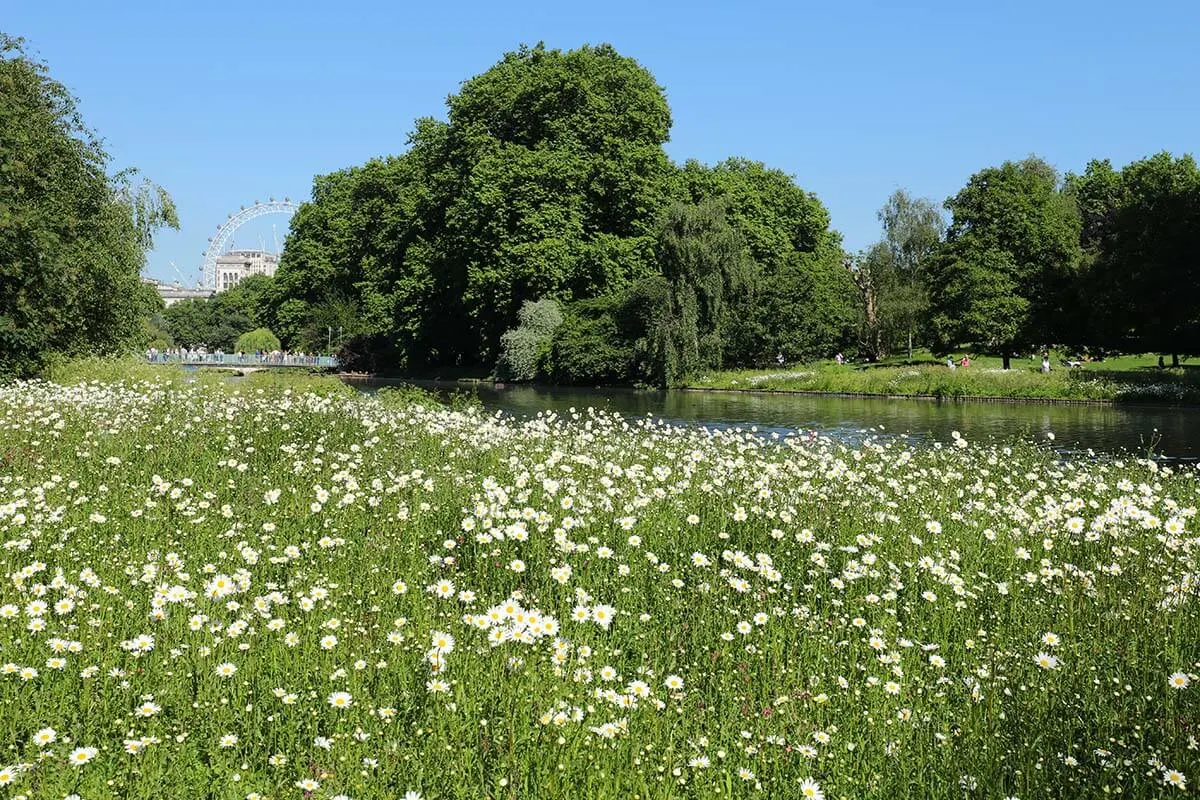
(1124, 379)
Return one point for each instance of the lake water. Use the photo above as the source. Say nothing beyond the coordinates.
(1121, 429)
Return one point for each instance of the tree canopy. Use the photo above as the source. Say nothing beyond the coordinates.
(1011, 250)
(217, 322)
(541, 228)
(795, 298)
(72, 238)
(1141, 237)
(548, 181)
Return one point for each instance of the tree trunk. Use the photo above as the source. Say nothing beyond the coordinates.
(1174, 359)
(870, 297)
(910, 345)
(872, 314)
(1007, 361)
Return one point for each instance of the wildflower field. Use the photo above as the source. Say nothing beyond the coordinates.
(272, 592)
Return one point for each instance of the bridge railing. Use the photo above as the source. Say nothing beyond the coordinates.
(244, 360)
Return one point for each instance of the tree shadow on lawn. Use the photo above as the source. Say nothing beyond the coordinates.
(1187, 374)
(1147, 384)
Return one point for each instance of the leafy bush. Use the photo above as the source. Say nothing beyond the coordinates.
(298, 381)
(258, 339)
(541, 317)
(519, 350)
(406, 395)
(523, 350)
(589, 348)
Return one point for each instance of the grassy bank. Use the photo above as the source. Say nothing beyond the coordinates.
(229, 590)
(1130, 379)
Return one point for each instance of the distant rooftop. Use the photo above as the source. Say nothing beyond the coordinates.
(262, 253)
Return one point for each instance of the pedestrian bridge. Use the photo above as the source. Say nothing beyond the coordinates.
(246, 362)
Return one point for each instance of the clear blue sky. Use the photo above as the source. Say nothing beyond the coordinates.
(225, 103)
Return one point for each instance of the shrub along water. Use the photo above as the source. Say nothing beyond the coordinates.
(259, 339)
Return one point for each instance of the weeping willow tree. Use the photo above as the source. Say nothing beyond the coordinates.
(701, 262)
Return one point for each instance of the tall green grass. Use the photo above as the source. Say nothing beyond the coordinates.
(107, 369)
(636, 610)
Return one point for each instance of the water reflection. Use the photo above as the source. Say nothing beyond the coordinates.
(1075, 428)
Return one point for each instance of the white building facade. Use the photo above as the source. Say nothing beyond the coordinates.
(172, 293)
(237, 265)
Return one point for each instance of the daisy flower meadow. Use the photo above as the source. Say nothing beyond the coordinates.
(262, 589)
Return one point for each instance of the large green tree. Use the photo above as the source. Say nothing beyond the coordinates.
(545, 181)
(72, 238)
(979, 301)
(1015, 235)
(912, 232)
(1141, 237)
(891, 275)
(353, 260)
(796, 299)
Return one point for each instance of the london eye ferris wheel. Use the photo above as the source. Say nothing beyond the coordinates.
(219, 242)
